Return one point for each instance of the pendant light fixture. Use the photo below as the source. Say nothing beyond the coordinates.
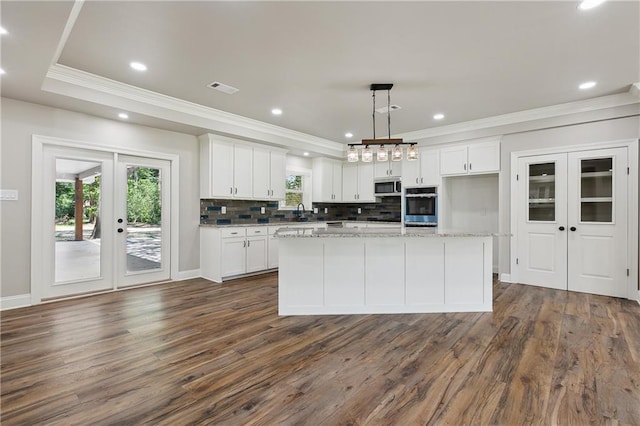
(382, 153)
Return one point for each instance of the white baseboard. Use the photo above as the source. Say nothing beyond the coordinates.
(187, 275)
(505, 278)
(12, 302)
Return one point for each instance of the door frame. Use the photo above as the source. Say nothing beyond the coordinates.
(38, 228)
(633, 293)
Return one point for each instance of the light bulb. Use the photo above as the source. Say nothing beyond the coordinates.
(367, 154)
(382, 154)
(352, 154)
(396, 153)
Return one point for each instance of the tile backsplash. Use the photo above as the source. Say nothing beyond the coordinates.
(242, 212)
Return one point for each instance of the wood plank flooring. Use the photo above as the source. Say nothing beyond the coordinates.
(195, 352)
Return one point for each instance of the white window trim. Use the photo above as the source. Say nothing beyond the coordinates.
(306, 187)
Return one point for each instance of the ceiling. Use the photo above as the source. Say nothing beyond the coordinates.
(316, 60)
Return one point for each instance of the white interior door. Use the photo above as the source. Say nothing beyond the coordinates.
(542, 220)
(142, 220)
(597, 209)
(76, 213)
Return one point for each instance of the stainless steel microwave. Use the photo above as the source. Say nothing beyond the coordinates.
(385, 187)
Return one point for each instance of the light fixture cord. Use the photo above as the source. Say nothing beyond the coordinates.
(389, 112)
(373, 114)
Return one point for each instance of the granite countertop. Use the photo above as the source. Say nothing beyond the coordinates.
(301, 223)
(376, 232)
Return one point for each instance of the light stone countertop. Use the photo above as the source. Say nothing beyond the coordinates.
(308, 232)
(285, 224)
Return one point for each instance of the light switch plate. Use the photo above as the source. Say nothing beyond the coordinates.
(9, 194)
(359, 210)
(326, 210)
(315, 210)
(262, 210)
(223, 210)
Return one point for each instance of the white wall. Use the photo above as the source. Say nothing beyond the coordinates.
(21, 120)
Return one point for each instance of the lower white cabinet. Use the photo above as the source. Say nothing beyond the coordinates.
(232, 251)
(272, 248)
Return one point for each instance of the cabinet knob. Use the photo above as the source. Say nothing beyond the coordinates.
(120, 230)
(573, 228)
(561, 228)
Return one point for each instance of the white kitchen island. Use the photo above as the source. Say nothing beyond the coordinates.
(394, 270)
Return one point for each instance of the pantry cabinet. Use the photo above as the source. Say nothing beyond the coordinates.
(472, 158)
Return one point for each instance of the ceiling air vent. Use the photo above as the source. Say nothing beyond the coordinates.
(385, 109)
(223, 87)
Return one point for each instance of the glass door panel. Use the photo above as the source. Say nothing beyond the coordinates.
(542, 192)
(143, 220)
(596, 188)
(78, 249)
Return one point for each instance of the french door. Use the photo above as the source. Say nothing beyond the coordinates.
(572, 221)
(106, 220)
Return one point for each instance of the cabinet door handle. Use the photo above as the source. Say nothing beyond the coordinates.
(248, 243)
(236, 191)
(561, 228)
(231, 190)
(421, 180)
(465, 167)
(469, 166)
(244, 243)
(416, 180)
(573, 228)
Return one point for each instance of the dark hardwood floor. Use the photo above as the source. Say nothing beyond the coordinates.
(195, 352)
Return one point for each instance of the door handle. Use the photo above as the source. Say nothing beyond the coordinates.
(573, 228)
(469, 166)
(120, 220)
(561, 228)
(465, 166)
(120, 230)
(231, 190)
(248, 243)
(236, 191)
(416, 180)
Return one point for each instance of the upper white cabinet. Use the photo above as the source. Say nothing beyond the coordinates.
(269, 174)
(357, 182)
(473, 158)
(327, 180)
(387, 168)
(231, 168)
(424, 171)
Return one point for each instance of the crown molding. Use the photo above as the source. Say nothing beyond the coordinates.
(79, 84)
(603, 102)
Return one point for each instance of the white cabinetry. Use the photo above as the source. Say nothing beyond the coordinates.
(232, 251)
(231, 168)
(424, 171)
(473, 158)
(387, 168)
(357, 182)
(327, 180)
(269, 174)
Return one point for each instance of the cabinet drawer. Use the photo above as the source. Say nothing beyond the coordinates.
(233, 232)
(258, 230)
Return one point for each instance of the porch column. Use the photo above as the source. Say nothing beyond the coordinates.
(79, 208)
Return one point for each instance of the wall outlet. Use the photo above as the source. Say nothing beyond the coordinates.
(326, 210)
(315, 210)
(8, 194)
(359, 210)
(223, 210)
(262, 210)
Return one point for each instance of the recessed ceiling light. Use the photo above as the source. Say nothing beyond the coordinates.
(348, 135)
(590, 4)
(587, 85)
(306, 154)
(438, 116)
(3, 31)
(123, 115)
(138, 66)
(276, 111)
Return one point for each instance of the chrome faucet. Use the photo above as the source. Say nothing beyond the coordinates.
(300, 214)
